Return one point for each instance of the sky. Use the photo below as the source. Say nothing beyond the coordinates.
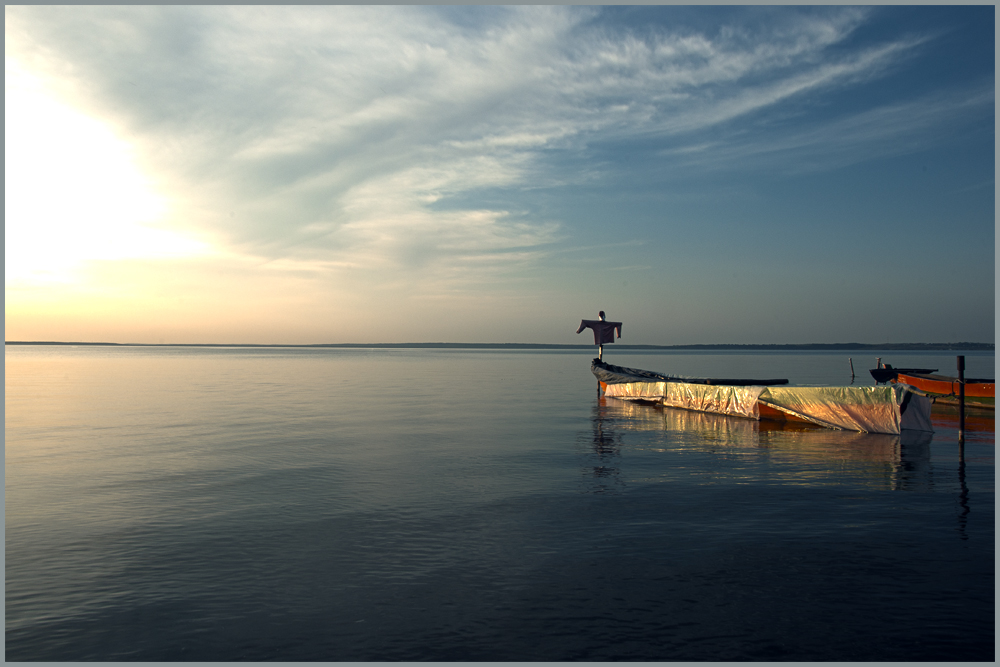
(352, 174)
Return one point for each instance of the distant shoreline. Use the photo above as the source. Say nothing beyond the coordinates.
(971, 347)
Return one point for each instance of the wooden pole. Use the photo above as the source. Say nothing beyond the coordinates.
(852, 368)
(600, 357)
(961, 399)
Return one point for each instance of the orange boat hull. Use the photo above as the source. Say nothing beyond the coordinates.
(949, 387)
(767, 413)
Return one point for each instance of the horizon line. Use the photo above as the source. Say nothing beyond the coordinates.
(964, 345)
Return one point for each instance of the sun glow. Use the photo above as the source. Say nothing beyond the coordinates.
(73, 191)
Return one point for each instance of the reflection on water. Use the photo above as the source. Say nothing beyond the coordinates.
(607, 451)
(963, 498)
(803, 454)
(982, 423)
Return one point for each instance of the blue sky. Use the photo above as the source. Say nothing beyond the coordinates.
(479, 174)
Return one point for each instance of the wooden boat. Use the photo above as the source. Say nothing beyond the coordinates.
(610, 374)
(887, 409)
(947, 385)
(978, 391)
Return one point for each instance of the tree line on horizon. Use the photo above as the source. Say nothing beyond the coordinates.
(701, 346)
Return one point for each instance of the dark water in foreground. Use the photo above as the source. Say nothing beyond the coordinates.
(212, 504)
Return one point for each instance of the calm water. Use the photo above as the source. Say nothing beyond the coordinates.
(229, 504)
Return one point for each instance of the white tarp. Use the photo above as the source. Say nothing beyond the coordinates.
(886, 409)
(718, 399)
(869, 409)
(644, 391)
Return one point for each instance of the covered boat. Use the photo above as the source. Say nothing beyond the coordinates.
(886, 409)
(611, 374)
(979, 392)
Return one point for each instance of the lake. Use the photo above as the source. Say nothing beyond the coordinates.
(172, 503)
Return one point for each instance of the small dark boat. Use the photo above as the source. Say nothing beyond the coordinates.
(887, 373)
(611, 374)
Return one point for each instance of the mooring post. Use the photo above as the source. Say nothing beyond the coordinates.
(852, 368)
(600, 356)
(961, 399)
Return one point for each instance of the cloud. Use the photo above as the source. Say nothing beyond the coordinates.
(337, 138)
(890, 130)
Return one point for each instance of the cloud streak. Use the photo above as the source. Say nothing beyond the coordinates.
(337, 138)
(890, 130)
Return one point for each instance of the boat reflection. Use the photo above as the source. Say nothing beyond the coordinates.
(606, 443)
(800, 454)
(979, 424)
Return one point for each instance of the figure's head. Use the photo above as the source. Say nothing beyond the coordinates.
(601, 315)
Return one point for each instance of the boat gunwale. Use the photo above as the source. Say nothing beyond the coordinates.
(946, 379)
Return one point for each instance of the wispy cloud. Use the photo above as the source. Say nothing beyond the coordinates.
(329, 138)
(889, 130)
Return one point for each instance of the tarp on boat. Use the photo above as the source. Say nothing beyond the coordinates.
(717, 399)
(869, 409)
(914, 408)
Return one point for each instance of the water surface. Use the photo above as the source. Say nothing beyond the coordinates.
(302, 504)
